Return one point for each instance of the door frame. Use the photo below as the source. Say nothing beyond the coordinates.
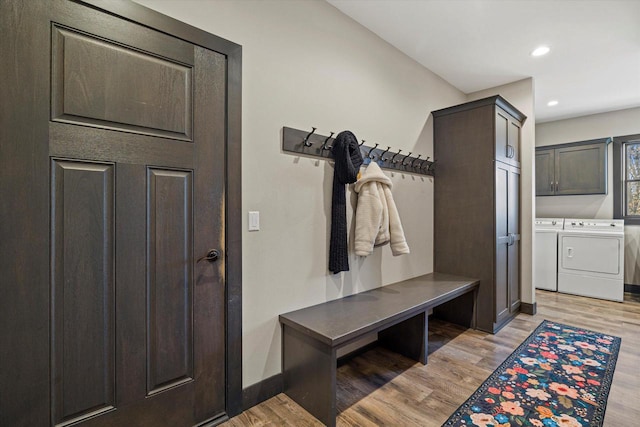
(233, 161)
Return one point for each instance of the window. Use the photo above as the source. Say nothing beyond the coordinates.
(626, 171)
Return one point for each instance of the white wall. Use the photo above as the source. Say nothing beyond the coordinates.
(306, 64)
(615, 123)
(520, 95)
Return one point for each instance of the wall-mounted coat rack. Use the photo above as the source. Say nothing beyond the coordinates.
(309, 143)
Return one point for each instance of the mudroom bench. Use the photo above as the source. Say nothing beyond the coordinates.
(398, 313)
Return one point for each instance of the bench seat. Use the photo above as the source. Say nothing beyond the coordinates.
(398, 312)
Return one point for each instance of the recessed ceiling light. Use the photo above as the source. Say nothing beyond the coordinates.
(552, 103)
(540, 50)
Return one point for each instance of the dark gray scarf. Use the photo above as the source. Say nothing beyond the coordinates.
(347, 164)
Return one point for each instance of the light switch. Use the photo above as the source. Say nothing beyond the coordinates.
(254, 220)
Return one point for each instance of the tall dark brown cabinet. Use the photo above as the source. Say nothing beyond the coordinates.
(477, 202)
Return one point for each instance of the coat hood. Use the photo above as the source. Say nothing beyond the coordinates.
(373, 173)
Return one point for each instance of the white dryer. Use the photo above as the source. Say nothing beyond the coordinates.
(545, 253)
(591, 258)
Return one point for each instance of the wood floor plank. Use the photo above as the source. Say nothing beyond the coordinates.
(380, 387)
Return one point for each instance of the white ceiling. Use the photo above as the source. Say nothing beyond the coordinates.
(593, 66)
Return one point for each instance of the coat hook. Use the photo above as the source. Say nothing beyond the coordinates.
(324, 144)
(306, 142)
(371, 151)
(405, 158)
(394, 156)
(424, 163)
(383, 153)
(415, 160)
(361, 144)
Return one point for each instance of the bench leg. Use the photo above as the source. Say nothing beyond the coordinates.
(461, 310)
(309, 374)
(408, 338)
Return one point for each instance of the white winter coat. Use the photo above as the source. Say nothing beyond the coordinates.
(377, 219)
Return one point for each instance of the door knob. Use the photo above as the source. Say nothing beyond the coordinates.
(211, 256)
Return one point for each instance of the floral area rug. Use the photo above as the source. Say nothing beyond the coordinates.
(559, 376)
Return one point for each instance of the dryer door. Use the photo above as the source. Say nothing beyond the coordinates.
(590, 253)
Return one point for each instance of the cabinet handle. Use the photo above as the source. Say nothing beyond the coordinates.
(551, 185)
(511, 240)
(556, 185)
(510, 151)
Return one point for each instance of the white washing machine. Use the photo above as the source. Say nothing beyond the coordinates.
(591, 258)
(545, 254)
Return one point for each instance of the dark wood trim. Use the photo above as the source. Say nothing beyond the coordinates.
(214, 421)
(492, 100)
(606, 140)
(618, 209)
(24, 186)
(626, 138)
(234, 231)
(632, 288)
(262, 390)
(150, 18)
(157, 21)
(618, 173)
(528, 308)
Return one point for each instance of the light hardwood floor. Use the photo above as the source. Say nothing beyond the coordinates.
(380, 387)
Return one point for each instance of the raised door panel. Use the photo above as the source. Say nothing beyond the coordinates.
(502, 135)
(101, 83)
(513, 145)
(545, 172)
(507, 138)
(501, 282)
(581, 169)
(82, 290)
(169, 278)
(513, 248)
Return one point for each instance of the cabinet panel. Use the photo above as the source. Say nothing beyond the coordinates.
(580, 170)
(514, 143)
(502, 136)
(507, 282)
(513, 248)
(507, 136)
(545, 177)
(476, 202)
(502, 241)
(572, 169)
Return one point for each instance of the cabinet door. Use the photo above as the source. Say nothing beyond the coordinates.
(501, 284)
(581, 169)
(513, 247)
(545, 172)
(507, 272)
(507, 138)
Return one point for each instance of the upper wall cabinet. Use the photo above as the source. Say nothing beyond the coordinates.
(571, 169)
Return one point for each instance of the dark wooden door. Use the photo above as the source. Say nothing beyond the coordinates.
(121, 168)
